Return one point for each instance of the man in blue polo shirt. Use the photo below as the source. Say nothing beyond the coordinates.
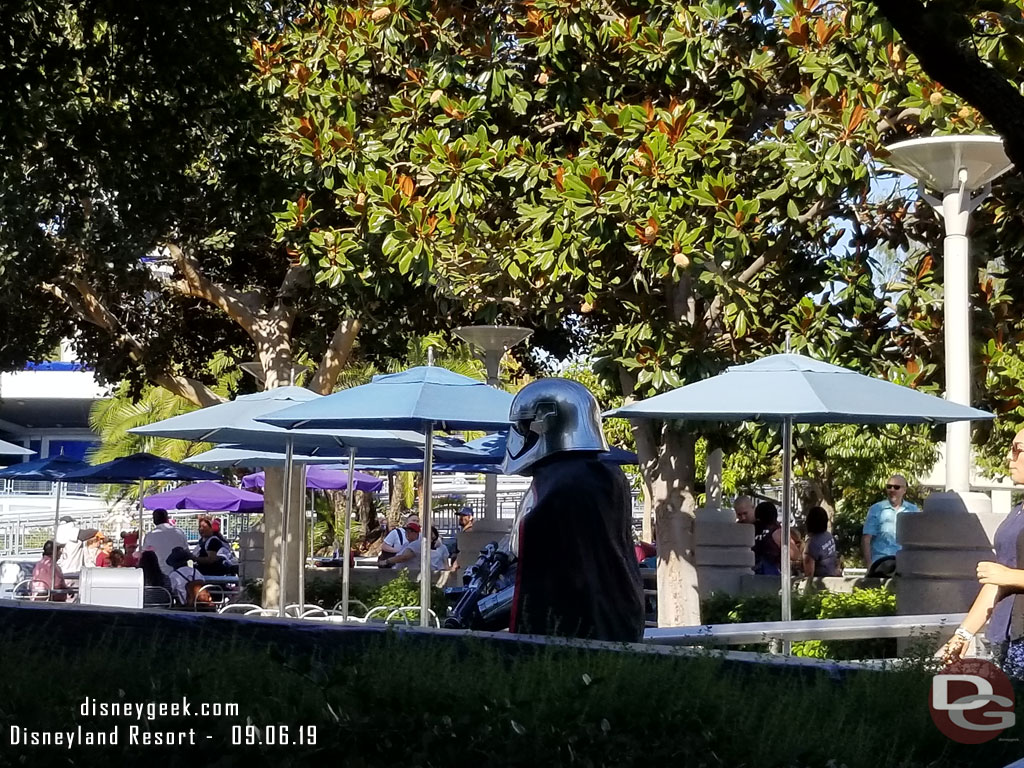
(879, 539)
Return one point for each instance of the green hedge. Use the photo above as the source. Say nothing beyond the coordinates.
(730, 609)
(406, 700)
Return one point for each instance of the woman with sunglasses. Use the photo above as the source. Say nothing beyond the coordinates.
(1002, 582)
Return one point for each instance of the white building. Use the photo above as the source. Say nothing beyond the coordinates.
(45, 408)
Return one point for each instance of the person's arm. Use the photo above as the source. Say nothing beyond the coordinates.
(405, 557)
(865, 547)
(956, 646)
(870, 530)
(808, 563)
(1000, 575)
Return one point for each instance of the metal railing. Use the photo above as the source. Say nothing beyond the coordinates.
(24, 533)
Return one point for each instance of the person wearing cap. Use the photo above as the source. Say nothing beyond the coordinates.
(464, 519)
(131, 545)
(42, 572)
(409, 555)
(72, 539)
(182, 572)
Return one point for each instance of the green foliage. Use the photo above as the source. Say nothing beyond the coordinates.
(841, 605)
(544, 706)
(111, 419)
(721, 608)
(399, 592)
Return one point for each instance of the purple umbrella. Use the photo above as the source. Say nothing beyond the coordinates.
(210, 497)
(325, 477)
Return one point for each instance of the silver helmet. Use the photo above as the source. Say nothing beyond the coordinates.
(551, 416)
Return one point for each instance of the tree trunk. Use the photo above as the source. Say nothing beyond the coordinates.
(366, 514)
(396, 497)
(273, 517)
(671, 486)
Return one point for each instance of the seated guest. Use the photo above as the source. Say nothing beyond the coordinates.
(219, 559)
(152, 576)
(103, 556)
(768, 541)
(820, 556)
(42, 573)
(183, 575)
(439, 556)
(409, 556)
(131, 546)
(395, 542)
(164, 539)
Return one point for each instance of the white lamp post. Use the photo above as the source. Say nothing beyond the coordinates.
(961, 169)
(491, 343)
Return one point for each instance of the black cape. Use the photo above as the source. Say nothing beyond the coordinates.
(577, 574)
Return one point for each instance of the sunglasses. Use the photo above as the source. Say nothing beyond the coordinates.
(1016, 450)
(891, 487)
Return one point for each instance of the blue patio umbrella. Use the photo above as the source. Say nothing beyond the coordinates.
(236, 423)
(423, 398)
(53, 470)
(794, 389)
(139, 467)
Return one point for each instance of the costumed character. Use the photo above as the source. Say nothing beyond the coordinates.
(576, 573)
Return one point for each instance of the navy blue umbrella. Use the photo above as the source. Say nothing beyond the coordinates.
(139, 467)
(53, 470)
(493, 448)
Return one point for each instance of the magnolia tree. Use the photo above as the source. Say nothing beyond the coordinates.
(678, 186)
(141, 188)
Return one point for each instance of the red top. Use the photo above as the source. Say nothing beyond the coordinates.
(103, 560)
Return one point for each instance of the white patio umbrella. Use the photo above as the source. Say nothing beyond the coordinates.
(794, 389)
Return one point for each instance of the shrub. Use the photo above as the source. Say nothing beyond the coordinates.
(728, 609)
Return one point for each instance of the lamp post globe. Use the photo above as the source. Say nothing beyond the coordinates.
(491, 343)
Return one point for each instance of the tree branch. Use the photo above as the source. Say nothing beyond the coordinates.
(952, 60)
(336, 356)
(88, 305)
(239, 306)
(189, 389)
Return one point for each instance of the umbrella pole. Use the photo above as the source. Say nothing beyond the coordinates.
(53, 552)
(425, 580)
(346, 573)
(302, 550)
(142, 514)
(282, 571)
(312, 524)
(787, 524)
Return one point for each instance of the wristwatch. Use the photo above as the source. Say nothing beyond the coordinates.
(963, 634)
